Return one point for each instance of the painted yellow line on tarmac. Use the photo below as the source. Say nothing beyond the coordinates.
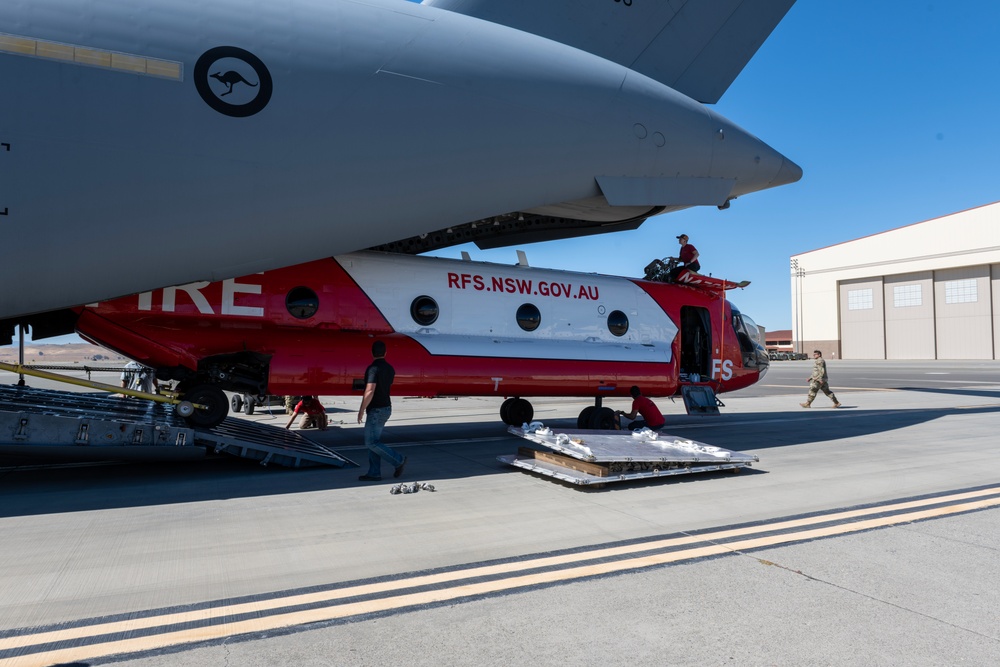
(912, 511)
(381, 587)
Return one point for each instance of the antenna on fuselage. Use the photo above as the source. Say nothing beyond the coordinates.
(522, 259)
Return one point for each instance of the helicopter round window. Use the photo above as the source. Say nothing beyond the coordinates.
(618, 323)
(424, 310)
(528, 317)
(301, 302)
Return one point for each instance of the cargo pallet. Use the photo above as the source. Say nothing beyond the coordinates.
(596, 458)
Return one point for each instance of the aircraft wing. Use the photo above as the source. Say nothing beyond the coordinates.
(697, 47)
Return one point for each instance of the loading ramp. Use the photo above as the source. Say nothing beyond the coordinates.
(597, 458)
(98, 426)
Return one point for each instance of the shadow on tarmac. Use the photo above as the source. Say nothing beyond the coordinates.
(470, 450)
(764, 430)
(982, 393)
(38, 485)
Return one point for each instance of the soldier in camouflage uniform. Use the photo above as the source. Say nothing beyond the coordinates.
(818, 381)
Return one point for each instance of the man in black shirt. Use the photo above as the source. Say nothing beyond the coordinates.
(377, 406)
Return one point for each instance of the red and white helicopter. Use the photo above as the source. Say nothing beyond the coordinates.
(452, 328)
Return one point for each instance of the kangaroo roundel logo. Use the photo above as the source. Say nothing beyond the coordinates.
(233, 81)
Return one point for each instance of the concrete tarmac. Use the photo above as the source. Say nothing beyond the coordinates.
(865, 535)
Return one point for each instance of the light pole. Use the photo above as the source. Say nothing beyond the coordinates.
(799, 273)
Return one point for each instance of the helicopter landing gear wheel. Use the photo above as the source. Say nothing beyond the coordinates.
(216, 406)
(603, 419)
(520, 412)
(505, 412)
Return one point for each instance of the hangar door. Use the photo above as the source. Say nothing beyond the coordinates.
(995, 270)
(964, 318)
(862, 327)
(909, 316)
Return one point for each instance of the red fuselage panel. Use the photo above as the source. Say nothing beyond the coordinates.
(474, 348)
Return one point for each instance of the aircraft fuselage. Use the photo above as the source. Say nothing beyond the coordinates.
(215, 139)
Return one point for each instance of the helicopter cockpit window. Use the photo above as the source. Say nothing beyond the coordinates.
(748, 334)
(751, 329)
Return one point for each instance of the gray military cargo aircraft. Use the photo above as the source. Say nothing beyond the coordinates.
(164, 142)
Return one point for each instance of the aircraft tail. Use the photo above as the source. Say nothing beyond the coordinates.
(697, 47)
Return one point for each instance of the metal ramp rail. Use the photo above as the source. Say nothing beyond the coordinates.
(101, 426)
(268, 444)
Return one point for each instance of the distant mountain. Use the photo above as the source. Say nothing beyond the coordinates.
(56, 355)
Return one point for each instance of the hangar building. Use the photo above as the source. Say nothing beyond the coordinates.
(929, 290)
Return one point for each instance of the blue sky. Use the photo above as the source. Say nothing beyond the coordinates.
(891, 110)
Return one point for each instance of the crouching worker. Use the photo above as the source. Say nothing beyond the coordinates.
(652, 418)
(688, 257)
(312, 411)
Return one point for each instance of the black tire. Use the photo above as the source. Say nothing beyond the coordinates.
(505, 412)
(214, 400)
(248, 405)
(603, 419)
(520, 412)
(583, 421)
(236, 403)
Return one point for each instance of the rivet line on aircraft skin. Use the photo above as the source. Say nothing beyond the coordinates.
(90, 57)
(149, 631)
